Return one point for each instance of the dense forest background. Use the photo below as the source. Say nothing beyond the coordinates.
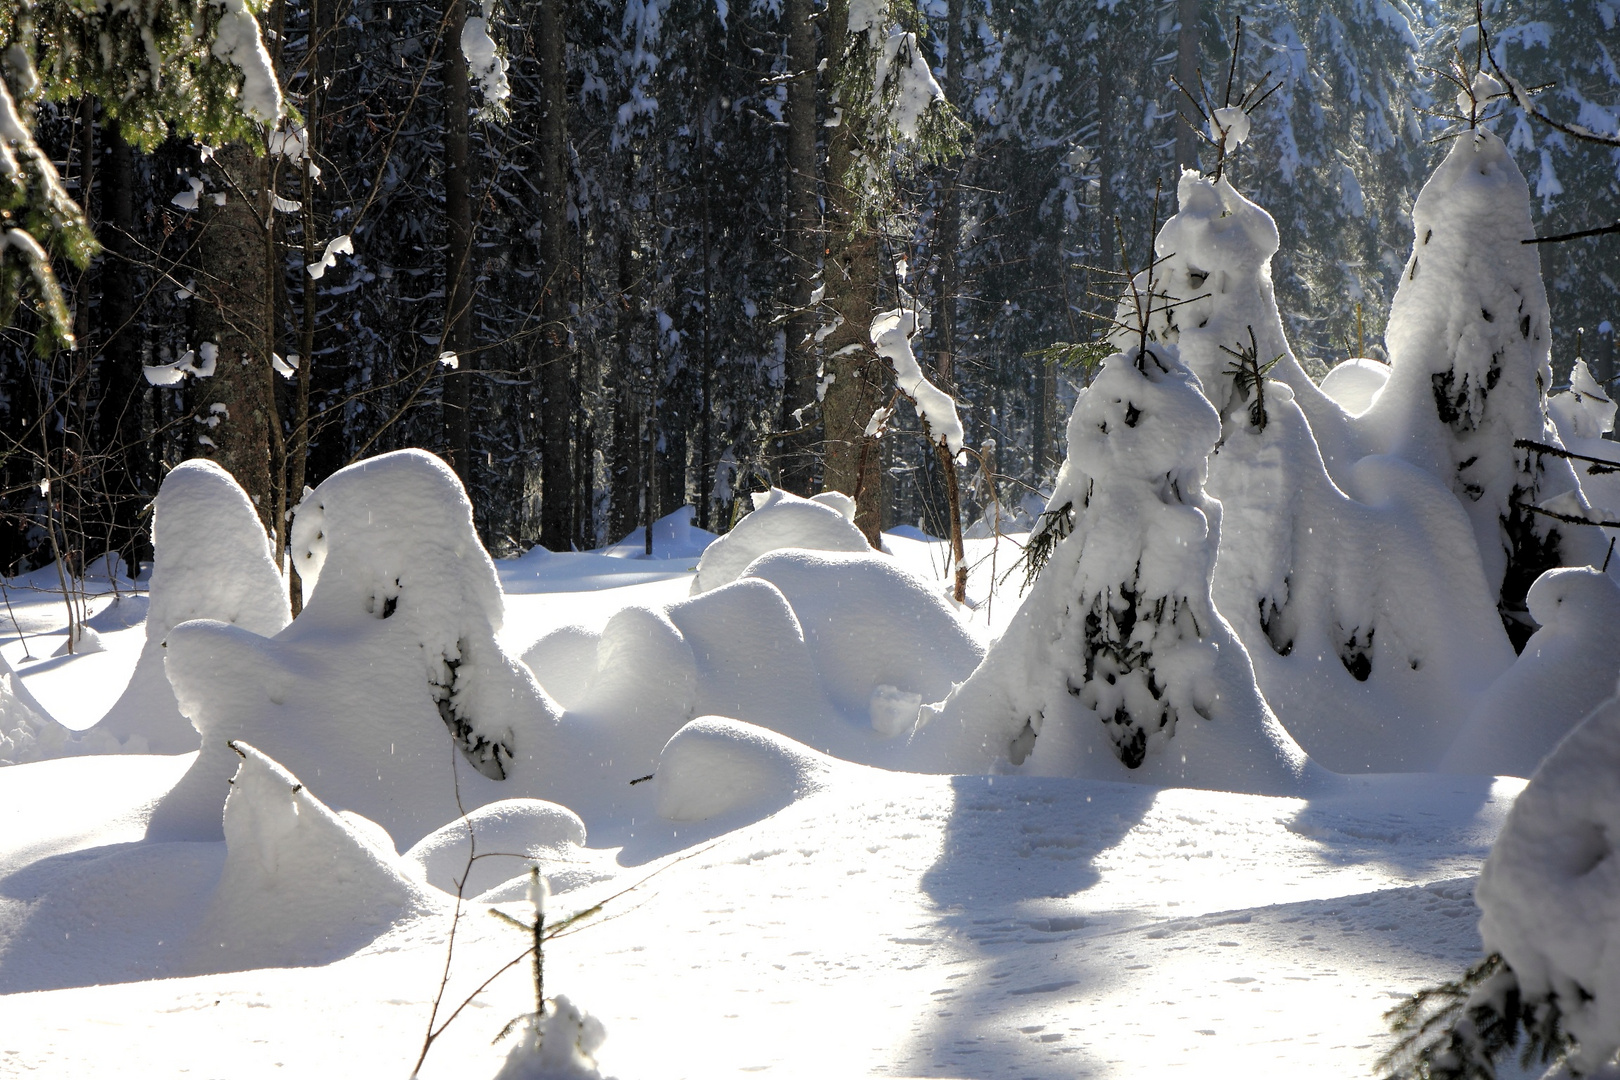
(627, 263)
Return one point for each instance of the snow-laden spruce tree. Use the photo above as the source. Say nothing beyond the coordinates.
(1368, 647)
(1469, 347)
(1118, 665)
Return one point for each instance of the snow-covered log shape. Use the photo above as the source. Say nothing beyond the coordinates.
(1365, 643)
(1567, 669)
(509, 835)
(212, 560)
(395, 645)
(1469, 348)
(716, 765)
(779, 520)
(301, 884)
(559, 1045)
(1549, 894)
(1117, 665)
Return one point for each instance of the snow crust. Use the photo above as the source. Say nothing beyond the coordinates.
(779, 520)
(212, 560)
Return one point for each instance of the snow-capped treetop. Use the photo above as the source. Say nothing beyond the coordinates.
(891, 336)
(1469, 348)
(212, 556)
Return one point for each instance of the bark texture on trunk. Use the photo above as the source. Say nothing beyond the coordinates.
(853, 463)
(795, 451)
(458, 248)
(236, 406)
(1187, 61)
(558, 529)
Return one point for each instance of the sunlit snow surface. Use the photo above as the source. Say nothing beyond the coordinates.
(883, 924)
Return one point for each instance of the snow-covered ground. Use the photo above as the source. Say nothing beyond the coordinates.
(883, 923)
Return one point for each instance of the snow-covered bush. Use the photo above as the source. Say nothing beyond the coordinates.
(1369, 648)
(212, 560)
(1117, 664)
(395, 645)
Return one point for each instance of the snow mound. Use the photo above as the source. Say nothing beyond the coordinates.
(559, 1045)
(871, 623)
(779, 520)
(1117, 665)
(564, 661)
(507, 836)
(751, 658)
(391, 667)
(1549, 894)
(212, 560)
(1355, 383)
(1567, 669)
(301, 885)
(716, 765)
(675, 536)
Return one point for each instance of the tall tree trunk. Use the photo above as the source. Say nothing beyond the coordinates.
(118, 420)
(628, 453)
(795, 450)
(853, 463)
(232, 313)
(458, 249)
(1187, 61)
(558, 391)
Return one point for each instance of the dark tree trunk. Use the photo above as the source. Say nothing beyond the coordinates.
(558, 390)
(795, 450)
(232, 313)
(1187, 63)
(854, 464)
(458, 251)
(118, 420)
